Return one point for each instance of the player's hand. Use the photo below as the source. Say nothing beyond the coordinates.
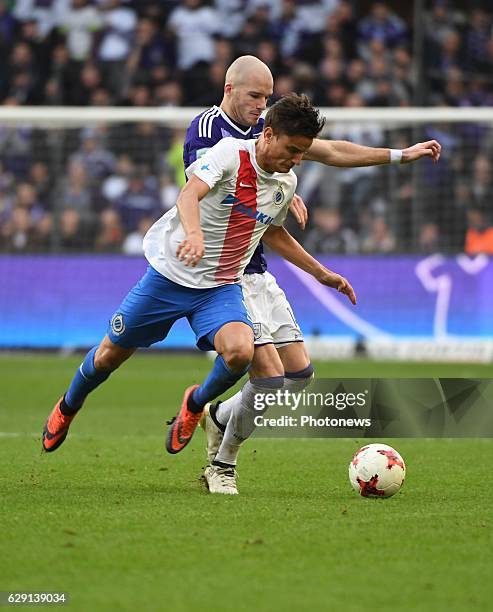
(191, 250)
(431, 148)
(299, 210)
(338, 282)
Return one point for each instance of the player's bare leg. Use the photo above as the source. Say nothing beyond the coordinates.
(98, 364)
(294, 356)
(109, 356)
(234, 345)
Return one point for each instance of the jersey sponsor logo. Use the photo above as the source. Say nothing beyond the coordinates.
(247, 186)
(263, 218)
(253, 214)
(230, 199)
(247, 211)
(278, 196)
(117, 324)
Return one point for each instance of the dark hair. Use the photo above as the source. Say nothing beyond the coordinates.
(294, 115)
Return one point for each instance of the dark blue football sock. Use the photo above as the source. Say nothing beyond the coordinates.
(306, 373)
(295, 382)
(86, 379)
(220, 379)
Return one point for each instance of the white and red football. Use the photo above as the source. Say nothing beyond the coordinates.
(377, 470)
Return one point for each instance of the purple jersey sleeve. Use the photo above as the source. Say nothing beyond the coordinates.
(198, 141)
(208, 128)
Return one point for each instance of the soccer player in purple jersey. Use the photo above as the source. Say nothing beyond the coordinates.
(279, 347)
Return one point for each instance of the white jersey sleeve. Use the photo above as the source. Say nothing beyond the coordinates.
(281, 217)
(216, 164)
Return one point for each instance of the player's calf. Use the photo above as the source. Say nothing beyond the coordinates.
(109, 356)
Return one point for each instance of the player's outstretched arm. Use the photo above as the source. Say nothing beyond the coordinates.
(191, 249)
(344, 154)
(281, 241)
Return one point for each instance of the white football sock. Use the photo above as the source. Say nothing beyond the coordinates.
(242, 422)
(225, 409)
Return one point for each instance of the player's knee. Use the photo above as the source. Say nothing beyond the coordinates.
(238, 356)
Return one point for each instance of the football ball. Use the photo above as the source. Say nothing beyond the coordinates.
(377, 470)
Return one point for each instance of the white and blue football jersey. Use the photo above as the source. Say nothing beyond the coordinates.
(242, 202)
(206, 130)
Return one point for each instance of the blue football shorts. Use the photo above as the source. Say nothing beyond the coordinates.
(151, 307)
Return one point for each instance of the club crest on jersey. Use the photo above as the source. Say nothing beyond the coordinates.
(117, 324)
(278, 197)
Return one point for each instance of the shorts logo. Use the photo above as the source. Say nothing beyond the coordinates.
(257, 331)
(278, 197)
(117, 324)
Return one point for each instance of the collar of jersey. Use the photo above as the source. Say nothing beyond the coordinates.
(236, 126)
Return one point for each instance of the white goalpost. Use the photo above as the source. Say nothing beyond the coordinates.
(180, 117)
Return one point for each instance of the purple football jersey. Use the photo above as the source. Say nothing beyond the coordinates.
(206, 130)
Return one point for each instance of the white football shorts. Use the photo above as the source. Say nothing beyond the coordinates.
(271, 313)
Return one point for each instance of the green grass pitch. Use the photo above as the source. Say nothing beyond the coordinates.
(117, 523)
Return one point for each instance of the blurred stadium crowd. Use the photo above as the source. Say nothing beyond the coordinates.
(100, 188)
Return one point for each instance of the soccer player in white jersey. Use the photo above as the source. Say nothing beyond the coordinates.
(279, 347)
(197, 253)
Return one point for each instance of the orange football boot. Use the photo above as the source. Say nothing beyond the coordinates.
(183, 425)
(56, 428)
